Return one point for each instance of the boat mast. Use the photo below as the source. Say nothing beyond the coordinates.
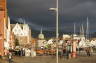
(82, 28)
(74, 28)
(87, 29)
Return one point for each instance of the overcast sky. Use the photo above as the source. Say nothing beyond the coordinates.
(37, 15)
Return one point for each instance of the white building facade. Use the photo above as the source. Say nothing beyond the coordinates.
(22, 33)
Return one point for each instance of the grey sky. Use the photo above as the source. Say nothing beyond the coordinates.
(36, 13)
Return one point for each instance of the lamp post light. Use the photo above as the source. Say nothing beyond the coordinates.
(57, 30)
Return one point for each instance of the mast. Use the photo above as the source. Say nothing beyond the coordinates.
(87, 29)
(74, 28)
(82, 35)
(23, 21)
(41, 31)
(82, 28)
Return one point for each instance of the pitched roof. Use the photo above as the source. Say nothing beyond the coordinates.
(13, 25)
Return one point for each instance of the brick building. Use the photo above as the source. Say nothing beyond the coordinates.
(3, 21)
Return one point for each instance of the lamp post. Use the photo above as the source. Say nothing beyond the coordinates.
(57, 30)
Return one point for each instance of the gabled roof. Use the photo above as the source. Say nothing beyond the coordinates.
(17, 29)
(13, 25)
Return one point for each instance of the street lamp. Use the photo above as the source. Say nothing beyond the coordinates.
(57, 30)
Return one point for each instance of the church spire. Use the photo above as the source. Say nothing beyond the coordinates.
(41, 35)
(41, 31)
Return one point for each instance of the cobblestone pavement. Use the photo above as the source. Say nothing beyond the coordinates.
(51, 59)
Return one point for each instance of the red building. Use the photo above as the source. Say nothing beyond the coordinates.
(2, 22)
(1, 32)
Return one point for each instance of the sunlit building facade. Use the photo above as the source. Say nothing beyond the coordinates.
(22, 33)
(3, 20)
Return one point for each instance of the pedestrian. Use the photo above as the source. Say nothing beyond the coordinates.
(88, 51)
(10, 57)
(0, 55)
(23, 51)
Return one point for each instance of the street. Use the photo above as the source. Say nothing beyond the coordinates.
(51, 59)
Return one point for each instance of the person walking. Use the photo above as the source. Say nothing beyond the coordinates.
(88, 51)
(10, 57)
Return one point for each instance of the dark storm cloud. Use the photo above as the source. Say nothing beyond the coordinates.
(81, 9)
(70, 11)
(28, 7)
(35, 10)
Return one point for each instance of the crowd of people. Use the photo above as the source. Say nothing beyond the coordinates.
(18, 52)
(24, 52)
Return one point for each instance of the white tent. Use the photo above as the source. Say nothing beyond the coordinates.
(93, 43)
(50, 41)
(82, 44)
